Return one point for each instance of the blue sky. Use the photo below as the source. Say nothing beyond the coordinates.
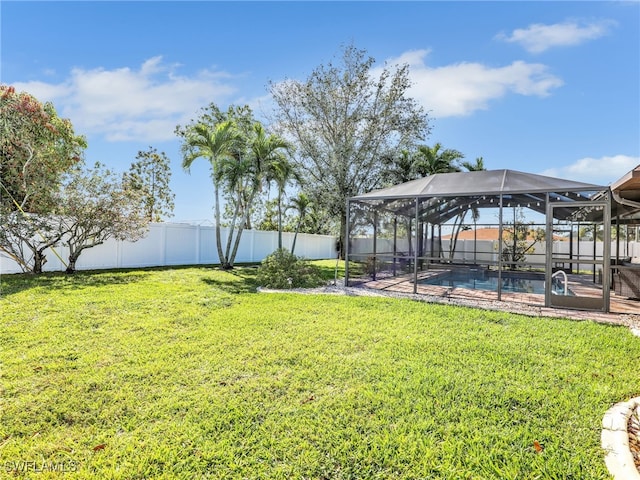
(542, 87)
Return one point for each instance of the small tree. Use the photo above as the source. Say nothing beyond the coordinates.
(151, 175)
(519, 239)
(282, 269)
(98, 206)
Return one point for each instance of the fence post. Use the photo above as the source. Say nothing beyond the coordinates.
(198, 256)
(252, 245)
(163, 245)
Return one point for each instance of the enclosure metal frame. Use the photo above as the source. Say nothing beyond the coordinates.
(602, 198)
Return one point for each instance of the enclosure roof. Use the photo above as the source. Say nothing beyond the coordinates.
(485, 182)
(626, 193)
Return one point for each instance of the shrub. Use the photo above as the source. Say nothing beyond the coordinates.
(374, 265)
(283, 269)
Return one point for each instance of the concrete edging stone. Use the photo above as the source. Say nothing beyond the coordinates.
(615, 440)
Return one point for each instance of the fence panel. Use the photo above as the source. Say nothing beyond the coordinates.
(181, 244)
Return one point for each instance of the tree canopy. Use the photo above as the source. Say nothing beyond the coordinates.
(150, 174)
(343, 119)
(36, 148)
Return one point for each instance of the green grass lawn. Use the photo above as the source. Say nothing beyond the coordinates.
(188, 373)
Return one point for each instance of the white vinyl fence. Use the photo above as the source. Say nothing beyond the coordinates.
(181, 244)
(487, 250)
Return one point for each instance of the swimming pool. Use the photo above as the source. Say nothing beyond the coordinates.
(477, 279)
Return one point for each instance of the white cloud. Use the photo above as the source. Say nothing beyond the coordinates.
(461, 89)
(537, 38)
(125, 104)
(600, 171)
(45, 92)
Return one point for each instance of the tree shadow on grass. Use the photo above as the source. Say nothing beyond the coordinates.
(327, 269)
(238, 280)
(241, 279)
(55, 281)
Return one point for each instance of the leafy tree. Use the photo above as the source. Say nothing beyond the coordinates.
(589, 232)
(317, 221)
(245, 176)
(432, 160)
(399, 168)
(419, 163)
(269, 163)
(98, 205)
(268, 220)
(343, 120)
(36, 148)
(151, 175)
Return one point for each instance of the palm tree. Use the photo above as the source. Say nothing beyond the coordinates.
(475, 213)
(281, 171)
(263, 151)
(301, 203)
(432, 160)
(399, 169)
(217, 144)
(237, 176)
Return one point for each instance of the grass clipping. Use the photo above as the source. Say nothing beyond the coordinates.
(284, 270)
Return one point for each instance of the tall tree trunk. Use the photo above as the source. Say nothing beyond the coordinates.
(223, 260)
(295, 236)
(344, 235)
(457, 225)
(241, 229)
(74, 255)
(232, 227)
(279, 220)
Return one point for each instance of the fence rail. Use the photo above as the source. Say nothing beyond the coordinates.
(168, 244)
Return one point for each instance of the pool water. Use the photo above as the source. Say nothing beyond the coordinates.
(484, 280)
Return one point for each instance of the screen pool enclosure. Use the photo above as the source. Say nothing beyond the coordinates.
(489, 232)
